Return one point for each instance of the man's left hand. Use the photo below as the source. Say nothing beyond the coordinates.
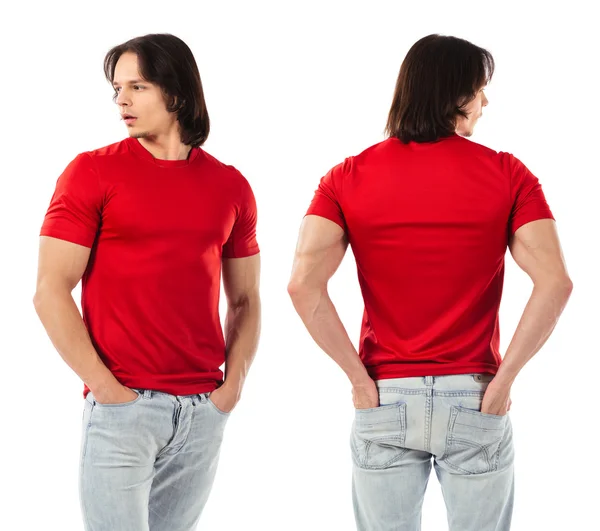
(225, 398)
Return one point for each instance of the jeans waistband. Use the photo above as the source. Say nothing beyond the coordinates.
(195, 398)
(449, 381)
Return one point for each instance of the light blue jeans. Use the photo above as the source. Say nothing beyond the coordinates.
(427, 417)
(149, 464)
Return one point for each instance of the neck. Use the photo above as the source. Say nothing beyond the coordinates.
(165, 148)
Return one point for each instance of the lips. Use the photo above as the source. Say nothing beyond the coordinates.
(127, 116)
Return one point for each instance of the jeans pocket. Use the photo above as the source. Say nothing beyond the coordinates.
(473, 440)
(378, 435)
(220, 412)
(90, 398)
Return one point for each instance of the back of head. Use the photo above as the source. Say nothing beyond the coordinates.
(439, 76)
(166, 61)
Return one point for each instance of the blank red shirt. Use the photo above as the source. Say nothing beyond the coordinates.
(157, 231)
(428, 224)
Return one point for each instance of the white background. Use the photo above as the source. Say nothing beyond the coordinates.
(292, 89)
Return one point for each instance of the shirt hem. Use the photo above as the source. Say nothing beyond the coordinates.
(384, 372)
(78, 239)
(243, 254)
(177, 390)
(331, 217)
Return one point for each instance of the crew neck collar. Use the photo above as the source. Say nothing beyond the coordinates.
(440, 139)
(139, 150)
(423, 145)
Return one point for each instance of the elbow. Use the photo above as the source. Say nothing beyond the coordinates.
(305, 297)
(38, 298)
(250, 299)
(39, 301)
(298, 290)
(565, 289)
(294, 288)
(562, 285)
(49, 291)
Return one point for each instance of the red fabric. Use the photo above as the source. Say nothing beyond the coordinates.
(158, 230)
(428, 225)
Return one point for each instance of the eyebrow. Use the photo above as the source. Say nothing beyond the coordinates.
(132, 82)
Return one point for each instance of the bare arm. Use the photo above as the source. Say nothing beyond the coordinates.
(536, 249)
(60, 268)
(319, 252)
(241, 279)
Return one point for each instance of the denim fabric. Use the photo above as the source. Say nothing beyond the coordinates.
(148, 464)
(428, 419)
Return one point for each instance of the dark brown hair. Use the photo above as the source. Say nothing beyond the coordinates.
(167, 61)
(439, 76)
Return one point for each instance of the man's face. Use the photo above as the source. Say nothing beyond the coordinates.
(465, 126)
(141, 99)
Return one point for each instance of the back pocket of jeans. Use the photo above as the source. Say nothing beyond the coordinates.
(378, 435)
(473, 441)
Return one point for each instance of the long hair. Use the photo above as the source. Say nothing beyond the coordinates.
(439, 76)
(167, 61)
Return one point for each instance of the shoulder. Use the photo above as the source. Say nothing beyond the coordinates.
(225, 171)
(114, 149)
(351, 164)
(503, 160)
(105, 155)
(227, 177)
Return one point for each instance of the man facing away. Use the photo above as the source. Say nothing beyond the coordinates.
(429, 215)
(149, 224)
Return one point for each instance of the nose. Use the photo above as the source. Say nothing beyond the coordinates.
(484, 101)
(122, 98)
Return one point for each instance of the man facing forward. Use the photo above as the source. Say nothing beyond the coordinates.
(149, 224)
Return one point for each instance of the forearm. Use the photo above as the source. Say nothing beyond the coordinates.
(63, 323)
(320, 317)
(540, 316)
(242, 331)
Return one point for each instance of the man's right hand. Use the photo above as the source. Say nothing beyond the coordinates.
(117, 394)
(365, 395)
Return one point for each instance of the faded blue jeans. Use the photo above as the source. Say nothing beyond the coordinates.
(149, 464)
(427, 418)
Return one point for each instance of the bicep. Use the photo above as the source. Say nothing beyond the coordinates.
(241, 277)
(61, 263)
(536, 249)
(321, 247)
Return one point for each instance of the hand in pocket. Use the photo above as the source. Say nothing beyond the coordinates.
(117, 395)
(496, 400)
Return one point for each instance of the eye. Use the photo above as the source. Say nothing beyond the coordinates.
(138, 86)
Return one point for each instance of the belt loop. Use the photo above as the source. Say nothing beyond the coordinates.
(147, 393)
(428, 380)
(203, 397)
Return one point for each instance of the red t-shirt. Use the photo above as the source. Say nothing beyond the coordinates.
(428, 224)
(157, 230)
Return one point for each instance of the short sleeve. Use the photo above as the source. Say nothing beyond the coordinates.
(326, 201)
(242, 239)
(528, 200)
(75, 209)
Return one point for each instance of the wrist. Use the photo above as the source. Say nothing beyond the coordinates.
(360, 379)
(232, 386)
(103, 382)
(505, 375)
